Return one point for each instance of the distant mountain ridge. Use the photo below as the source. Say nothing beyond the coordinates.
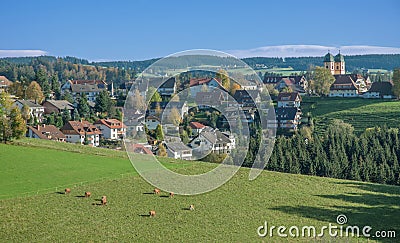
(354, 62)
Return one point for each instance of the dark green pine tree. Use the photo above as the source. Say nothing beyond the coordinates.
(83, 106)
(103, 102)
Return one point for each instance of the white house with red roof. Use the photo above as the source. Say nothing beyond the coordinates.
(80, 132)
(111, 128)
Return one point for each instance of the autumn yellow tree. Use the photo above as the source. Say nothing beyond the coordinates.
(234, 87)
(12, 125)
(174, 117)
(223, 76)
(34, 92)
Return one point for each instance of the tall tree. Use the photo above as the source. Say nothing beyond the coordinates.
(55, 86)
(396, 82)
(153, 95)
(83, 106)
(322, 80)
(174, 116)
(12, 125)
(103, 102)
(34, 92)
(162, 151)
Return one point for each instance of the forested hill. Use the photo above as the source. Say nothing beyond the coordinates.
(26, 69)
(387, 61)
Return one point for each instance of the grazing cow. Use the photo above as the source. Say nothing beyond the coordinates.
(67, 190)
(87, 194)
(191, 207)
(152, 213)
(103, 200)
(171, 194)
(156, 191)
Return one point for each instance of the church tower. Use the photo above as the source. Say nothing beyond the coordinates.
(329, 62)
(339, 64)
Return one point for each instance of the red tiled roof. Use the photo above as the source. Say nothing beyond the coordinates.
(111, 123)
(82, 128)
(196, 125)
(201, 81)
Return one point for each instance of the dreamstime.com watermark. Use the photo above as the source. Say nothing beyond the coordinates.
(330, 230)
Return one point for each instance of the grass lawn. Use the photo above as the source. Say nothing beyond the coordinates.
(232, 213)
(361, 113)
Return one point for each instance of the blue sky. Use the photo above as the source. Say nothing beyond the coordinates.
(136, 30)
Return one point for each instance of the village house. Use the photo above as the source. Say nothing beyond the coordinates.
(47, 132)
(91, 88)
(168, 88)
(178, 150)
(213, 141)
(203, 84)
(81, 132)
(289, 99)
(247, 98)
(134, 120)
(35, 111)
(288, 118)
(344, 86)
(383, 90)
(4, 84)
(297, 83)
(57, 106)
(112, 129)
(152, 122)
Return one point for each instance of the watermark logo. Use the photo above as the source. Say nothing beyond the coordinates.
(330, 230)
(211, 86)
(341, 219)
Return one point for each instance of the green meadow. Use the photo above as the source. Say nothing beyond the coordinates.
(231, 213)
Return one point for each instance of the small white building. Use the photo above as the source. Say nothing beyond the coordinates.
(289, 99)
(178, 150)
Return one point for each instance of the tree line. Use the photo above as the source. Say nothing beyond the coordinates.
(339, 153)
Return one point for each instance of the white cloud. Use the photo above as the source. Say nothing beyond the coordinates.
(22, 53)
(311, 50)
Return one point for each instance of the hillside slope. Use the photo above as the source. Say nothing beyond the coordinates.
(231, 213)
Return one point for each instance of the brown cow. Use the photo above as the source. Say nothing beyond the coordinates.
(156, 191)
(67, 190)
(171, 194)
(103, 200)
(87, 194)
(191, 207)
(152, 213)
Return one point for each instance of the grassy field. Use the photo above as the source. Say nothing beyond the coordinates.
(231, 213)
(38, 166)
(361, 113)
